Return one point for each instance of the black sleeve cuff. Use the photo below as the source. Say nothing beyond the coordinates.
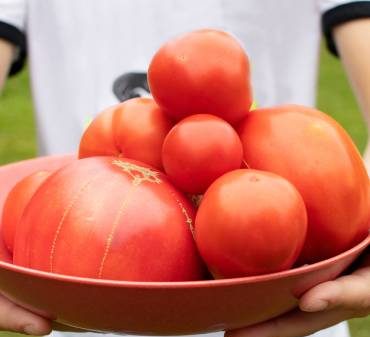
(342, 14)
(18, 38)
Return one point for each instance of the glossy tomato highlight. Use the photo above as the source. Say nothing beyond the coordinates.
(250, 223)
(109, 218)
(204, 71)
(315, 153)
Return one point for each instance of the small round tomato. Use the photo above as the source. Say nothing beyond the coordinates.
(15, 203)
(109, 218)
(198, 150)
(314, 152)
(133, 129)
(204, 71)
(250, 223)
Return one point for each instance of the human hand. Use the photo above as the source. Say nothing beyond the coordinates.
(6, 56)
(16, 319)
(322, 306)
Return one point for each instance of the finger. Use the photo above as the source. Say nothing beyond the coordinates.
(17, 319)
(293, 324)
(350, 292)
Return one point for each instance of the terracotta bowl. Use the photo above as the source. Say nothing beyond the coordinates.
(154, 308)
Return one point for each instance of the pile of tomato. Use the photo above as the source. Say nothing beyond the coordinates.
(194, 183)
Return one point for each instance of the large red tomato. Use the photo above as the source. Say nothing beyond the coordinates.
(250, 223)
(133, 129)
(109, 218)
(205, 71)
(198, 150)
(15, 203)
(315, 153)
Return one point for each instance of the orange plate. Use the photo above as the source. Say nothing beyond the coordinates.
(157, 308)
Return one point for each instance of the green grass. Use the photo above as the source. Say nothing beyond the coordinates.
(17, 128)
(335, 97)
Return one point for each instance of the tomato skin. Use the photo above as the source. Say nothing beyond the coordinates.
(109, 218)
(204, 71)
(15, 203)
(250, 223)
(133, 129)
(198, 150)
(314, 152)
(98, 138)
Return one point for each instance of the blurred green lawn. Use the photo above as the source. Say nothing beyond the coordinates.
(17, 128)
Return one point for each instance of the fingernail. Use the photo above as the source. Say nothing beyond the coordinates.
(30, 329)
(318, 305)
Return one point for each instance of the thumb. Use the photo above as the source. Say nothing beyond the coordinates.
(350, 292)
(16, 319)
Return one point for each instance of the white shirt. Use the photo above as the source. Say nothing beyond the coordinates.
(77, 49)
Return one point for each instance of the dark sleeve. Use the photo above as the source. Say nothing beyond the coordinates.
(18, 38)
(341, 14)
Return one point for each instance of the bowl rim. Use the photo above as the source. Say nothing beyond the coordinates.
(188, 284)
(67, 155)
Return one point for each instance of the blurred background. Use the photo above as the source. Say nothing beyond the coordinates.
(17, 128)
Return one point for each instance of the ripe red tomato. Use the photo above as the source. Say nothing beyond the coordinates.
(15, 203)
(109, 218)
(198, 150)
(314, 152)
(250, 223)
(133, 129)
(204, 71)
